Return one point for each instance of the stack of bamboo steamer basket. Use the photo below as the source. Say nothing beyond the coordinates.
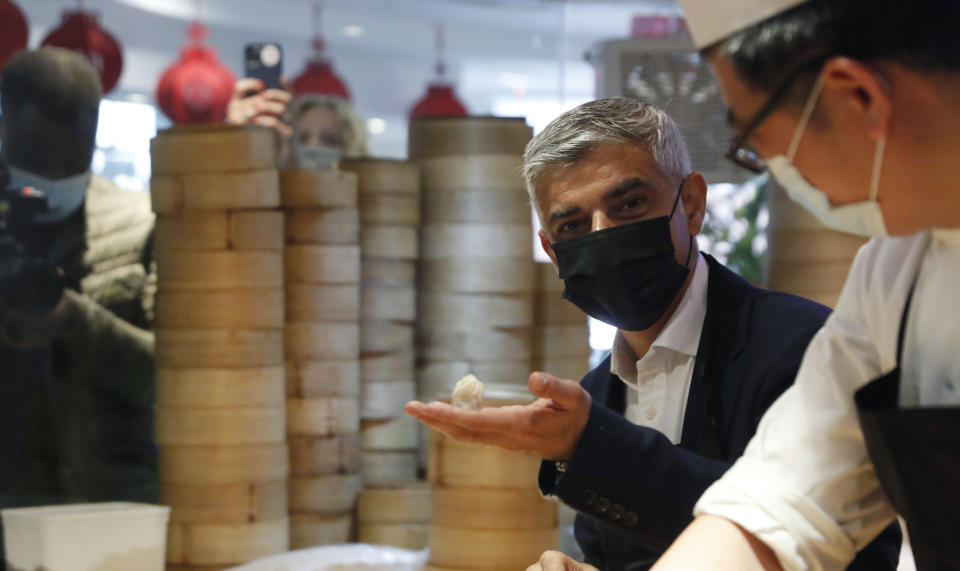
(397, 515)
(562, 334)
(487, 511)
(476, 276)
(219, 345)
(322, 342)
(804, 257)
(389, 198)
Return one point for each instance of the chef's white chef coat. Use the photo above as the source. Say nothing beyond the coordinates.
(805, 485)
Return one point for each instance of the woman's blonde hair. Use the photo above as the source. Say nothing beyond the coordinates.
(352, 124)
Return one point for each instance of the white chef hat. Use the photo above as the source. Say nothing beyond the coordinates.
(713, 20)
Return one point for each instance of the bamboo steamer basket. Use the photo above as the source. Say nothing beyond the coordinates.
(476, 275)
(321, 456)
(571, 369)
(395, 242)
(548, 279)
(478, 344)
(473, 241)
(227, 425)
(331, 494)
(809, 276)
(176, 567)
(226, 543)
(218, 348)
(462, 547)
(385, 337)
(551, 309)
(395, 503)
(222, 464)
(308, 530)
(561, 341)
(385, 400)
(212, 148)
(318, 188)
(375, 176)
(219, 270)
(327, 226)
(214, 191)
(231, 503)
(468, 312)
(219, 309)
(476, 207)
(812, 245)
(492, 508)
(389, 466)
(220, 230)
(310, 302)
(398, 433)
(322, 264)
(414, 536)
(439, 136)
(388, 303)
(390, 209)
(389, 273)
(201, 388)
(318, 341)
(488, 172)
(319, 417)
(465, 465)
(387, 367)
(318, 379)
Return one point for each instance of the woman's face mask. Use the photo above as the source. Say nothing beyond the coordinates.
(64, 196)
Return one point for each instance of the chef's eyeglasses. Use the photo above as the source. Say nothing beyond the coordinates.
(741, 152)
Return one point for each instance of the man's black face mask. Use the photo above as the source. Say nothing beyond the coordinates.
(627, 275)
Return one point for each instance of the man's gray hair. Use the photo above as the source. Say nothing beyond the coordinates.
(570, 137)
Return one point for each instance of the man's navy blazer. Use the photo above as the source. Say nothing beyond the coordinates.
(634, 489)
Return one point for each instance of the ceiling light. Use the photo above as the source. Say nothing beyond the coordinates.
(353, 31)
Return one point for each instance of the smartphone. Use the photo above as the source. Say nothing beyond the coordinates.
(264, 61)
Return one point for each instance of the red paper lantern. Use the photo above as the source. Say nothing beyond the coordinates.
(197, 88)
(13, 30)
(80, 31)
(319, 79)
(440, 101)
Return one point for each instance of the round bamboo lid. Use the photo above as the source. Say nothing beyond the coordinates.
(437, 136)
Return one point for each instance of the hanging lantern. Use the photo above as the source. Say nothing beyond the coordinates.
(440, 100)
(319, 77)
(80, 31)
(197, 88)
(13, 30)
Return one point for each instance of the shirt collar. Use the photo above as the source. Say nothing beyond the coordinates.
(680, 335)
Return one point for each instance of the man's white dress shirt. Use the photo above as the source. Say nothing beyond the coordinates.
(659, 382)
(805, 485)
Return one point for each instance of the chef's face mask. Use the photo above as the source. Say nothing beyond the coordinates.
(626, 275)
(861, 218)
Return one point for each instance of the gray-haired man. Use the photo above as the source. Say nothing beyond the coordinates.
(699, 354)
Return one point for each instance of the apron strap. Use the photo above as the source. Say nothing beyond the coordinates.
(903, 321)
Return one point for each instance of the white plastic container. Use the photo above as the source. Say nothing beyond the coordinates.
(86, 537)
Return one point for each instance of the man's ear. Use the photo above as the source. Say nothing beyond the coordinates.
(545, 243)
(695, 202)
(852, 88)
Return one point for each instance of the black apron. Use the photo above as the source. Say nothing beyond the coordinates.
(916, 453)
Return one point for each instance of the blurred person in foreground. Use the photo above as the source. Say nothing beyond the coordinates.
(316, 130)
(699, 353)
(76, 366)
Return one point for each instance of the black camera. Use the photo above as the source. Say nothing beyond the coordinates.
(28, 283)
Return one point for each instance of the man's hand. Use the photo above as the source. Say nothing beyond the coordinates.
(251, 103)
(549, 427)
(556, 561)
(32, 302)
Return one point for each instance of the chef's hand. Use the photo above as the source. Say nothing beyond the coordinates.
(251, 103)
(549, 427)
(556, 561)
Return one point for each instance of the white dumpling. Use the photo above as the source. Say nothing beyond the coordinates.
(468, 393)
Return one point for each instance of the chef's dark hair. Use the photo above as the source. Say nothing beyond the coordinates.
(920, 34)
(62, 85)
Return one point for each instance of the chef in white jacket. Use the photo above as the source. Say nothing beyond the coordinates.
(854, 106)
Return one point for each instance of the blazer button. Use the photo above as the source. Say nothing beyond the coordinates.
(631, 519)
(603, 504)
(617, 512)
(589, 497)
